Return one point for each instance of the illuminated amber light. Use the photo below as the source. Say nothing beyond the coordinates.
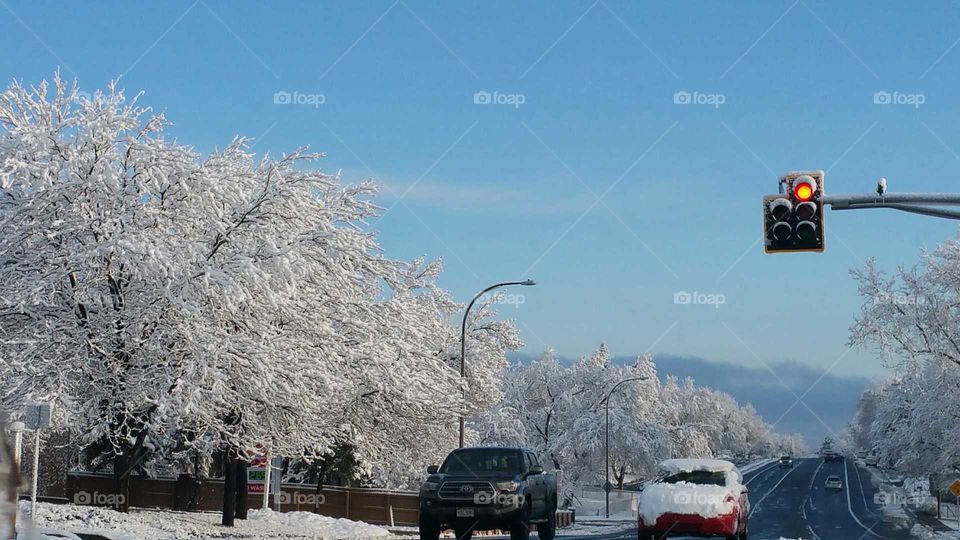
(803, 191)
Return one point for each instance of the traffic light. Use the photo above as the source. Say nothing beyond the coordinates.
(793, 221)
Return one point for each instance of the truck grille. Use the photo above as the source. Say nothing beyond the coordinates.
(464, 490)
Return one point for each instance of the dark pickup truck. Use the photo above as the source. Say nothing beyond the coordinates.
(488, 489)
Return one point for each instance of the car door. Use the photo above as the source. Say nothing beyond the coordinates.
(535, 482)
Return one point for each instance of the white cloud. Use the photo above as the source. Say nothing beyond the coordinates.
(461, 196)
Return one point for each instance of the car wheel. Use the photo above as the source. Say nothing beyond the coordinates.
(520, 529)
(429, 528)
(546, 531)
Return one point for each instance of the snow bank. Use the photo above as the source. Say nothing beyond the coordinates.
(685, 498)
(750, 467)
(927, 533)
(170, 525)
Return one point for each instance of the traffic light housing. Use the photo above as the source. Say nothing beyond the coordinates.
(793, 220)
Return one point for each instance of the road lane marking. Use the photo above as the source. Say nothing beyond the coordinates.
(754, 507)
(756, 465)
(758, 472)
(803, 505)
(862, 493)
(846, 486)
(761, 472)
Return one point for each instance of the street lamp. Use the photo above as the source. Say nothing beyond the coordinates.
(463, 334)
(606, 444)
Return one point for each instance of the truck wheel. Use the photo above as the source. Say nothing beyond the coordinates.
(429, 529)
(546, 531)
(520, 529)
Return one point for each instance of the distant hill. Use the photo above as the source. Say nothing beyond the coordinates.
(825, 410)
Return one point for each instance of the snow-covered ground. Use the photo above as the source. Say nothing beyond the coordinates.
(170, 525)
(926, 533)
(591, 504)
(754, 465)
(597, 527)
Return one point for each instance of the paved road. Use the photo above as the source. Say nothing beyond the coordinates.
(793, 503)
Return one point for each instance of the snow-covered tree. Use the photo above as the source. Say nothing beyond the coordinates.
(910, 318)
(559, 411)
(173, 303)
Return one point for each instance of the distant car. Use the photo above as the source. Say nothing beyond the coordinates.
(698, 497)
(786, 461)
(832, 455)
(833, 483)
(870, 461)
(861, 454)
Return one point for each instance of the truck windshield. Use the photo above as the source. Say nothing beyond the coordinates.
(706, 478)
(482, 460)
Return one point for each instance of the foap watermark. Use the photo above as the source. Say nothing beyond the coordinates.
(283, 97)
(302, 499)
(509, 299)
(484, 97)
(696, 498)
(697, 298)
(884, 97)
(892, 498)
(684, 97)
(98, 499)
(897, 299)
(506, 500)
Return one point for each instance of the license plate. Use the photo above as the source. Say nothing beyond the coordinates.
(465, 512)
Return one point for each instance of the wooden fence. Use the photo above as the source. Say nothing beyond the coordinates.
(378, 506)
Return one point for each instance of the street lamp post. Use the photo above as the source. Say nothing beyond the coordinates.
(463, 335)
(606, 444)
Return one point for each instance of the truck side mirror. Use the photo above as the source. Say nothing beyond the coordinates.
(432, 469)
(536, 469)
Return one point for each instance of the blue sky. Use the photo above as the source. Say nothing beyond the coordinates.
(510, 191)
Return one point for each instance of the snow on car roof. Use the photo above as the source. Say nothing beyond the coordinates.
(673, 466)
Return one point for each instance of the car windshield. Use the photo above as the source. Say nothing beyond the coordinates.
(785, 458)
(706, 478)
(833, 479)
(482, 460)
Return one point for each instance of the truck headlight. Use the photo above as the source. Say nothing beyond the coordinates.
(429, 486)
(508, 486)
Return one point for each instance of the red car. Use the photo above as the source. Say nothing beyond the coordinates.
(694, 497)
